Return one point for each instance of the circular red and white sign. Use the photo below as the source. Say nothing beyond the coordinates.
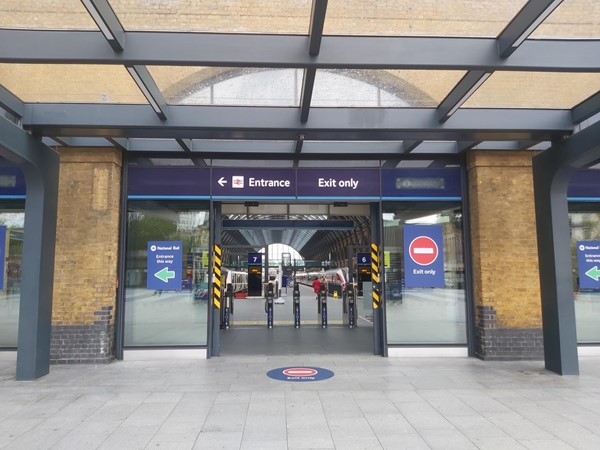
(300, 372)
(423, 250)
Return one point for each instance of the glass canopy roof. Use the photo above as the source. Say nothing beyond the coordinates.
(380, 82)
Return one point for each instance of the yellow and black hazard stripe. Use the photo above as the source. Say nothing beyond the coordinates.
(217, 276)
(375, 275)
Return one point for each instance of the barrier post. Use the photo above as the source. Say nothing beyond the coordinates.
(296, 297)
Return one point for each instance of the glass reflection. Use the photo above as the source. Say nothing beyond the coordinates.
(585, 226)
(424, 315)
(10, 295)
(167, 317)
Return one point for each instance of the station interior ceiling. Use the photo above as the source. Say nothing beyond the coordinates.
(285, 226)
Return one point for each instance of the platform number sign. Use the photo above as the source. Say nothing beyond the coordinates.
(255, 259)
(363, 259)
(423, 256)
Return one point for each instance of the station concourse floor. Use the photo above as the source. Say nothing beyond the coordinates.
(370, 403)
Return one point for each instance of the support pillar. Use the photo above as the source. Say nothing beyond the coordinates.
(508, 323)
(40, 167)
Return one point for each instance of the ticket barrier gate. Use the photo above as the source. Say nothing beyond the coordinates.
(269, 304)
(349, 310)
(296, 297)
(227, 307)
(322, 306)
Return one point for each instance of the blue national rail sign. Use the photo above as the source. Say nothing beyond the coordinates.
(588, 262)
(300, 374)
(164, 265)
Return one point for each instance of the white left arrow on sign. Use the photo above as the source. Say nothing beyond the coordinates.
(222, 181)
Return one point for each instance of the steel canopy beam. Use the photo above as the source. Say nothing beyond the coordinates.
(142, 77)
(317, 21)
(523, 24)
(249, 50)
(461, 92)
(11, 103)
(586, 109)
(367, 124)
(308, 84)
(409, 146)
(107, 21)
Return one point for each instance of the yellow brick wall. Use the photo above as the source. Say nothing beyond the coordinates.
(87, 236)
(503, 237)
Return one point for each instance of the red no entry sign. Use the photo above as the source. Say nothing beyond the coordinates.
(423, 250)
(300, 372)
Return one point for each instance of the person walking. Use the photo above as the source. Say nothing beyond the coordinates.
(316, 287)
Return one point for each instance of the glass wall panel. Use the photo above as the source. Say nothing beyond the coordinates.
(382, 88)
(70, 83)
(10, 294)
(217, 16)
(571, 19)
(534, 90)
(248, 86)
(416, 311)
(167, 317)
(45, 15)
(584, 220)
(479, 18)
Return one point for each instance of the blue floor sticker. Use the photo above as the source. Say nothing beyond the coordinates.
(300, 373)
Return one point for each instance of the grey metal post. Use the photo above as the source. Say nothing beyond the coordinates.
(551, 171)
(40, 167)
(378, 314)
(215, 325)
(554, 253)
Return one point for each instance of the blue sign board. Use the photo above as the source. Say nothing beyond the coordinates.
(245, 182)
(164, 265)
(338, 183)
(411, 184)
(12, 183)
(363, 259)
(300, 374)
(2, 254)
(588, 261)
(180, 182)
(255, 259)
(292, 183)
(423, 256)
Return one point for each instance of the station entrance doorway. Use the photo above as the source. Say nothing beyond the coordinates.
(271, 256)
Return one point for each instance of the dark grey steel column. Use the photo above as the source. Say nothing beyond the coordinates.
(40, 167)
(214, 343)
(467, 260)
(378, 313)
(551, 172)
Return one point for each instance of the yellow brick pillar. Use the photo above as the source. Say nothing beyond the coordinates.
(87, 242)
(508, 323)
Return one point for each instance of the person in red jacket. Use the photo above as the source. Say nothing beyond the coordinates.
(316, 287)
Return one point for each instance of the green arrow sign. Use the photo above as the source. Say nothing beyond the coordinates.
(165, 274)
(593, 273)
